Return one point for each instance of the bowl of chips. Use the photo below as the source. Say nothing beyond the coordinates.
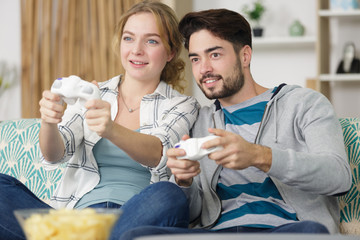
(88, 223)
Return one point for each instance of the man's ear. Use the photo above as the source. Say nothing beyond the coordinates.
(245, 56)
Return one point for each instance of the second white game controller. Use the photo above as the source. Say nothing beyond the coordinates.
(192, 147)
(73, 89)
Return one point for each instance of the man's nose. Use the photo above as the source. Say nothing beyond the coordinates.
(205, 67)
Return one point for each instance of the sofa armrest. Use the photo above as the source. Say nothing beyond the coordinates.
(350, 203)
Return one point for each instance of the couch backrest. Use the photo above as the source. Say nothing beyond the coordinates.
(20, 157)
(350, 203)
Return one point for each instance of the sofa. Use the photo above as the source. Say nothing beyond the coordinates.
(20, 157)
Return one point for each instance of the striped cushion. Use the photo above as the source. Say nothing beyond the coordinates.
(350, 203)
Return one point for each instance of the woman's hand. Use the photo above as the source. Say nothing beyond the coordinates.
(51, 109)
(98, 117)
(50, 141)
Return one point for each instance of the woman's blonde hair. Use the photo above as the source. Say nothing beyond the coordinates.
(167, 24)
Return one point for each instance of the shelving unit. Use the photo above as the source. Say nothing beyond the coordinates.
(339, 13)
(339, 77)
(288, 41)
(323, 46)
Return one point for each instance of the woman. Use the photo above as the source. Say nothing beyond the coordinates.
(118, 146)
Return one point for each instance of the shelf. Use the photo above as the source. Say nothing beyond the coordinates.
(281, 41)
(339, 13)
(339, 77)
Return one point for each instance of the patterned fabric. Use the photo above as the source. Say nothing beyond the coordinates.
(20, 157)
(350, 203)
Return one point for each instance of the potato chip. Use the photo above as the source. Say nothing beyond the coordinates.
(69, 224)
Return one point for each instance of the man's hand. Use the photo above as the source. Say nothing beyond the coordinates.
(238, 153)
(183, 169)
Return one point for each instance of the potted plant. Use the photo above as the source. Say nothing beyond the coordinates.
(254, 15)
(8, 77)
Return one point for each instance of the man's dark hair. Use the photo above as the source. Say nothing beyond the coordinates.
(223, 23)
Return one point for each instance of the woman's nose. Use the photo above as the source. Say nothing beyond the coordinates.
(137, 48)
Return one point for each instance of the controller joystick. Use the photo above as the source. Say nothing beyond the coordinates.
(192, 147)
(73, 89)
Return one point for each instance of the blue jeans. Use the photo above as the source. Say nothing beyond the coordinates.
(142, 209)
(161, 204)
(157, 224)
(302, 227)
(14, 195)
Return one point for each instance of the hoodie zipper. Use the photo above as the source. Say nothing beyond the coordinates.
(260, 126)
(215, 175)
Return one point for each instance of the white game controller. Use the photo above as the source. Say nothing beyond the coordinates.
(192, 147)
(73, 89)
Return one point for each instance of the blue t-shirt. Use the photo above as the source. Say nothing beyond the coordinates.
(249, 197)
(120, 176)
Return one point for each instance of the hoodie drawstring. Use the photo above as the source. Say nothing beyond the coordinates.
(275, 119)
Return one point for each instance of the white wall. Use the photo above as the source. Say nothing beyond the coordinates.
(10, 52)
(270, 66)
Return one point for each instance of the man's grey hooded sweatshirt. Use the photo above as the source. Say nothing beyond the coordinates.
(309, 162)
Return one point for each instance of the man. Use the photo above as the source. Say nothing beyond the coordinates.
(283, 159)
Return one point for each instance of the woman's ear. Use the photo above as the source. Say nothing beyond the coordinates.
(171, 56)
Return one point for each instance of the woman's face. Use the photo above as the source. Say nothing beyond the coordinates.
(142, 51)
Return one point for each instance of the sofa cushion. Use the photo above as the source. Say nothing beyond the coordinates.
(350, 203)
(20, 157)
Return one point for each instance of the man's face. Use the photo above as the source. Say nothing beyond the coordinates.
(215, 65)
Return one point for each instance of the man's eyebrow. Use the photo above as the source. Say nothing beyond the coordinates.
(206, 51)
(193, 54)
(212, 49)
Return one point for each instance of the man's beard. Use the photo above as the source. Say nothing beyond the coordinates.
(231, 84)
